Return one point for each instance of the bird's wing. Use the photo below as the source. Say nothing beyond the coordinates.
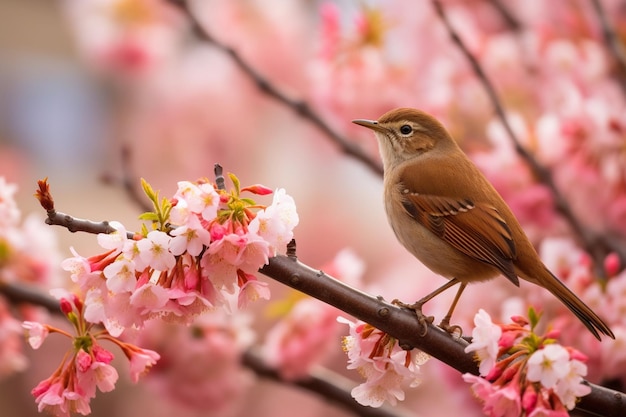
(477, 230)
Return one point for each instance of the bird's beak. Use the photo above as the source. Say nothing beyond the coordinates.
(370, 124)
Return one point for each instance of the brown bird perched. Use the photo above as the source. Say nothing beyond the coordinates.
(445, 212)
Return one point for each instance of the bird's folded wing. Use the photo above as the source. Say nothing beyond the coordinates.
(475, 229)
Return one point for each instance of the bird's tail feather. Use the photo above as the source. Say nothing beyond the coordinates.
(585, 314)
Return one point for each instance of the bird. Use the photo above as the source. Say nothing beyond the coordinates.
(446, 213)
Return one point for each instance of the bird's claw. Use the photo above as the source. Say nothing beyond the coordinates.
(454, 330)
(422, 319)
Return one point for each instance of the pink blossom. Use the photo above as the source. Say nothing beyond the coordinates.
(480, 386)
(141, 360)
(200, 199)
(548, 365)
(190, 237)
(149, 298)
(116, 240)
(251, 291)
(120, 275)
(571, 387)
(275, 224)
(36, 333)
(485, 338)
(48, 396)
(153, 250)
(386, 371)
(504, 402)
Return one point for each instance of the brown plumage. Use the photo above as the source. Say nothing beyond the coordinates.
(445, 212)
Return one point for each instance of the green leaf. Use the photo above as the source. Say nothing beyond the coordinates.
(149, 216)
(147, 189)
(248, 201)
(533, 318)
(236, 183)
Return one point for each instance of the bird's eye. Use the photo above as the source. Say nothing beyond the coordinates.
(406, 129)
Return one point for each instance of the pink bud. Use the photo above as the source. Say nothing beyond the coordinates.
(83, 361)
(576, 354)
(519, 320)
(553, 334)
(612, 264)
(529, 399)
(66, 306)
(494, 374)
(257, 189)
(101, 354)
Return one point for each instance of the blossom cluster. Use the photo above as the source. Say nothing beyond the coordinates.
(200, 252)
(386, 367)
(87, 365)
(523, 373)
(204, 248)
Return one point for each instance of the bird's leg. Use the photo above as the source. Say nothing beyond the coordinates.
(417, 306)
(445, 322)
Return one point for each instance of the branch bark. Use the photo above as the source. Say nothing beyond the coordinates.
(399, 323)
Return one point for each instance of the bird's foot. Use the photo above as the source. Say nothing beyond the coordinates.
(454, 330)
(422, 319)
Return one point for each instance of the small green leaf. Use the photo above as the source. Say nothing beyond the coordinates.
(236, 183)
(147, 189)
(533, 318)
(149, 216)
(144, 230)
(248, 201)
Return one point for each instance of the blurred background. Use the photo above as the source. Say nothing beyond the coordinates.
(94, 93)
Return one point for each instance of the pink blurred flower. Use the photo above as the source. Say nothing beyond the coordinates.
(12, 358)
(301, 338)
(200, 367)
(9, 212)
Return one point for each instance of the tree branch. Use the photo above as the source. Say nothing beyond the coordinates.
(300, 107)
(598, 246)
(611, 39)
(397, 322)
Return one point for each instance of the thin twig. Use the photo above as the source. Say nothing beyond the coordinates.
(612, 40)
(598, 246)
(300, 107)
(507, 16)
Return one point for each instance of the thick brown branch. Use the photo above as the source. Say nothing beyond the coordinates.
(300, 107)
(399, 323)
(596, 245)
